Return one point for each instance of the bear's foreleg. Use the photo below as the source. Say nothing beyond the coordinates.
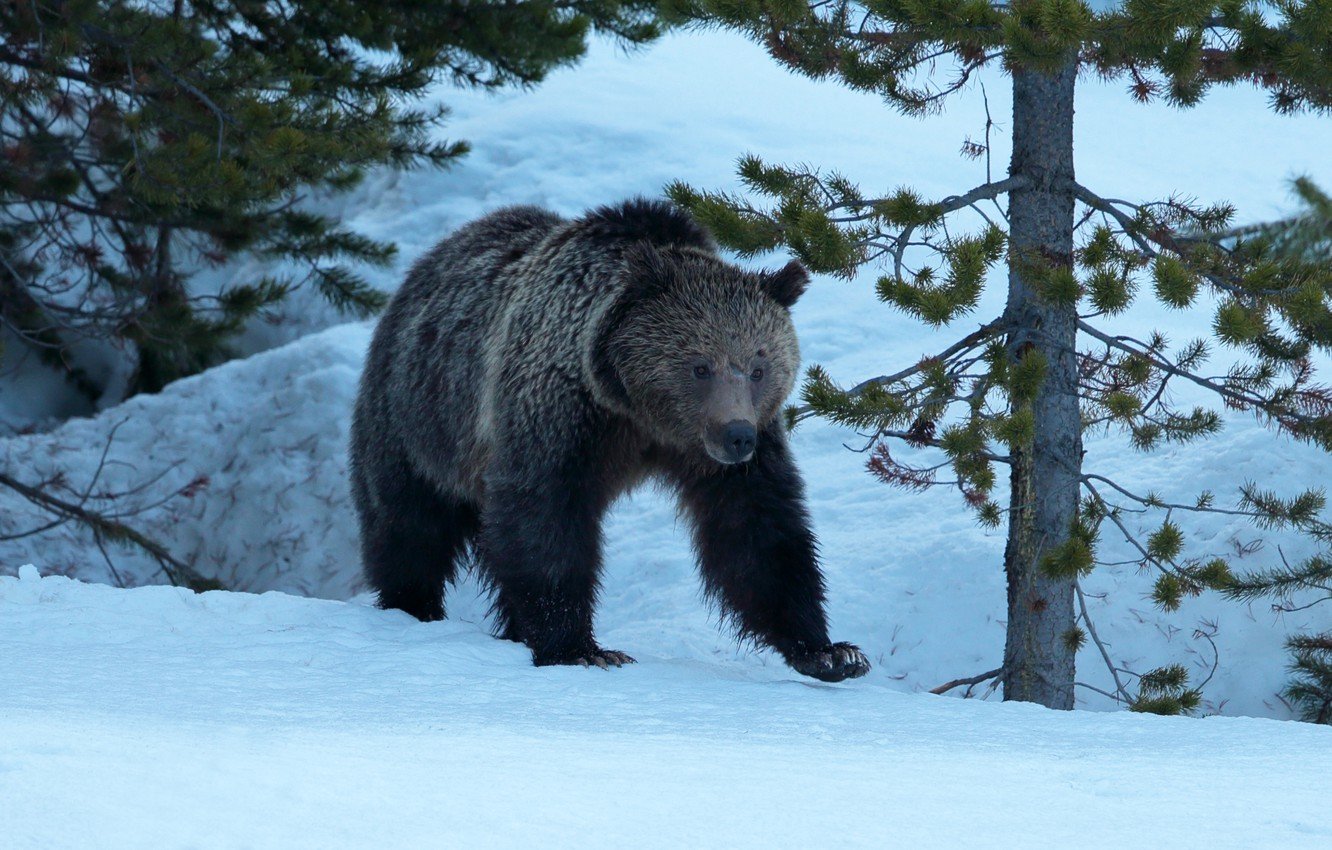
(758, 556)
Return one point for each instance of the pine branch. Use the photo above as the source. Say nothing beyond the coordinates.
(969, 680)
(176, 571)
(1129, 537)
(1151, 242)
(967, 343)
(1180, 506)
(953, 203)
(1121, 694)
(1286, 416)
(26, 317)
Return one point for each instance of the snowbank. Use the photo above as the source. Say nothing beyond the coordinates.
(156, 717)
(684, 109)
(259, 445)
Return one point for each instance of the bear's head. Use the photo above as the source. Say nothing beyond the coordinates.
(700, 353)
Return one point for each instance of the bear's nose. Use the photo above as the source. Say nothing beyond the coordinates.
(739, 440)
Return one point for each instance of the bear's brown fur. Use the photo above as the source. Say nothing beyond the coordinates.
(530, 370)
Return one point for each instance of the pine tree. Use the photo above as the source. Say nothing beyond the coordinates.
(1025, 386)
(141, 140)
(1305, 237)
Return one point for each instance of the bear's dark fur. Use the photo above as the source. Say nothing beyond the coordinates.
(532, 369)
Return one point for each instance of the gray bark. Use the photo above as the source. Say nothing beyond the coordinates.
(1038, 661)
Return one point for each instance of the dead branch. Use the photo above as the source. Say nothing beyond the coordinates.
(177, 572)
(970, 680)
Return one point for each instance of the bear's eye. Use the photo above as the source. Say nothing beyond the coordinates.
(702, 372)
(756, 375)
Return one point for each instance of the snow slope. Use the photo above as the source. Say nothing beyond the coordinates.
(259, 444)
(160, 718)
(259, 447)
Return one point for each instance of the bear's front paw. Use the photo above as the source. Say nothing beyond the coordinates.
(831, 663)
(595, 657)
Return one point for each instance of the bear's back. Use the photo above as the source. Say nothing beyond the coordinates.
(499, 314)
(421, 385)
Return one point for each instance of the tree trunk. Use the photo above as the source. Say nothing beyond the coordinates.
(163, 356)
(1038, 655)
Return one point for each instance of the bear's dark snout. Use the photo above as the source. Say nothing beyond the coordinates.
(739, 440)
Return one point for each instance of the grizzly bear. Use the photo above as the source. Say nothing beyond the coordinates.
(530, 370)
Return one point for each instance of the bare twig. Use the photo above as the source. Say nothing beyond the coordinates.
(970, 680)
(1105, 654)
(177, 572)
(1207, 634)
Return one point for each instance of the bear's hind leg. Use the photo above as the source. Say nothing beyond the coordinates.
(411, 542)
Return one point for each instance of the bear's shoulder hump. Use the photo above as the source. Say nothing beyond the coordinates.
(659, 222)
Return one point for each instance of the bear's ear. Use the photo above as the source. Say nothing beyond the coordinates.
(647, 272)
(787, 284)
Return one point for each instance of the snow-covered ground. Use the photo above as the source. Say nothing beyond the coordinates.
(154, 717)
(258, 447)
(161, 718)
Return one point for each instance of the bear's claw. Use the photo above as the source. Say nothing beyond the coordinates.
(605, 659)
(831, 663)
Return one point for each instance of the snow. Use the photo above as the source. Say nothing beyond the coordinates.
(157, 717)
(258, 445)
(261, 445)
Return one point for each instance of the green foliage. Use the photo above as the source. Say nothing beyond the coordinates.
(967, 259)
(873, 407)
(1274, 512)
(1165, 543)
(141, 139)
(1310, 690)
(1306, 236)
(796, 219)
(905, 208)
(742, 230)
(1076, 556)
(1176, 283)
(1314, 572)
(1215, 574)
(1026, 375)
(1075, 638)
(1166, 690)
(1122, 405)
(1168, 592)
(1070, 559)
(1018, 429)
(1111, 292)
(1165, 49)
(1237, 325)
